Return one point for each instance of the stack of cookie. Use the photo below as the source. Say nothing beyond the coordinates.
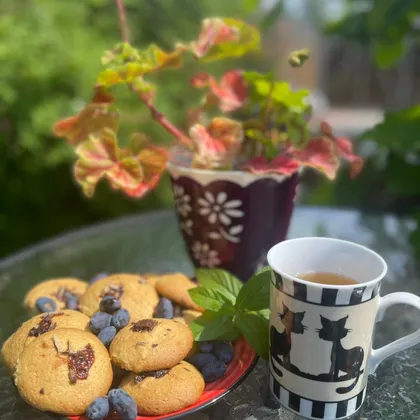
(124, 330)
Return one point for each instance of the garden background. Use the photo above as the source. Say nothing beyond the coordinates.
(364, 72)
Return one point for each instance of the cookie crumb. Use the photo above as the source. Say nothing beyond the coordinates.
(42, 391)
(114, 290)
(63, 292)
(157, 374)
(60, 346)
(154, 345)
(144, 325)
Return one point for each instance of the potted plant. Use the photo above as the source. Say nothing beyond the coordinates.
(235, 171)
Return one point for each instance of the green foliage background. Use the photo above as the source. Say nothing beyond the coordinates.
(50, 55)
(390, 180)
(49, 58)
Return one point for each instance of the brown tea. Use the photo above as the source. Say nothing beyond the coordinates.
(326, 278)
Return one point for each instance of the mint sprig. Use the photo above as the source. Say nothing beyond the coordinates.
(233, 308)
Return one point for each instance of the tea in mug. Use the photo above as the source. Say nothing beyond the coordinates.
(326, 278)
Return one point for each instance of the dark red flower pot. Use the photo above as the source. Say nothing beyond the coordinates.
(230, 219)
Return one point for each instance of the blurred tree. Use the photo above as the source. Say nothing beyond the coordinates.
(390, 182)
(50, 55)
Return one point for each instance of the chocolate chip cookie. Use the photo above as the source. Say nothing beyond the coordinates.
(164, 391)
(63, 371)
(175, 287)
(35, 327)
(56, 290)
(132, 290)
(151, 344)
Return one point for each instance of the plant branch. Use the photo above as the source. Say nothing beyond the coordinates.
(156, 115)
(165, 123)
(123, 21)
(267, 108)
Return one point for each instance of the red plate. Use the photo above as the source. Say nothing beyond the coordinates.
(244, 360)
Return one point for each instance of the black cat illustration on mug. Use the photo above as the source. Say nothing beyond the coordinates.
(281, 343)
(345, 363)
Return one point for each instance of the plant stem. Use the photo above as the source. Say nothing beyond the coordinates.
(267, 108)
(165, 123)
(123, 21)
(156, 115)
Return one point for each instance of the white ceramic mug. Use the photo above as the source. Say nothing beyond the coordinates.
(320, 334)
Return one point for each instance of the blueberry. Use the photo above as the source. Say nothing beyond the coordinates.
(120, 319)
(97, 277)
(206, 346)
(213, 371)
(72, 303)
(199, 360)
(223, 351)
(164, 309)
(107, 335)
(45, 304)
(99, 321)
(98, 409)
(109, 304)
(123, 403)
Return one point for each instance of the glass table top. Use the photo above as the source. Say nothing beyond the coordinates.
(152, 243)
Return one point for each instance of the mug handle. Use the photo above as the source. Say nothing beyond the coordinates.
(377, 356)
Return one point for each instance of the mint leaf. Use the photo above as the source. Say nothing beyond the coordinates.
(209, 298)
(265, 313)
(255, 294)
(220, 279)
(213, 326)
(255, 330)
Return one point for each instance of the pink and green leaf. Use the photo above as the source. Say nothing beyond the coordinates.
(100, 158)
(231, 93)
(223, 38)
(320, 154)
(217, 144)
(344, 149)
(284, 165)
(93, 118)
(127, 68)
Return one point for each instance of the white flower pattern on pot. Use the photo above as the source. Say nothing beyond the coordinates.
(205, 256)
(187, 226)
(182, 200)
(220, 209)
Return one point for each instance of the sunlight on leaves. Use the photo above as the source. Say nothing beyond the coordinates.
(127, 64)
(100, 157)
(223, 38)
(92, 118)
(231, 93)
(216, 145)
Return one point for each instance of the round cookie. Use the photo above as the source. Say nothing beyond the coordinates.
(175, 287)
(63, 371)
(137, 296)
(38, 325)
(151, 344)
(165, 391)
(54, 289)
